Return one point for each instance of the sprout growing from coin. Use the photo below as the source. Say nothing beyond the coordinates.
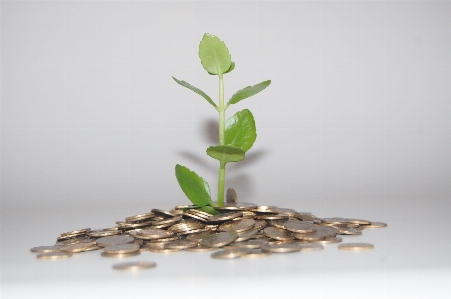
(237, 134)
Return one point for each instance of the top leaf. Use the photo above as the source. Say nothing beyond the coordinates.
(214, 55)
(248, 92)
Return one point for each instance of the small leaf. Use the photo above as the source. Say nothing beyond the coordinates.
(196, 90)
(232, 67)
(214, 55)
(226, 153)
(248, 92)
(194, 187)
(240, 130)
(209, 210)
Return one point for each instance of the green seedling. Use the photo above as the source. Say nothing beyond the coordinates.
(236, 135)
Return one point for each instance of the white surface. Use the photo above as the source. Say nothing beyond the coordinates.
(356, 123)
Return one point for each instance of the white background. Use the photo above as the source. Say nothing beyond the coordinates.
(356, 123)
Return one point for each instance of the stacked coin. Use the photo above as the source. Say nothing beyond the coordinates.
(239, 230)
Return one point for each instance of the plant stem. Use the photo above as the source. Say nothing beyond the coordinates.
(221, 184)
(221, 112)
(221, 142)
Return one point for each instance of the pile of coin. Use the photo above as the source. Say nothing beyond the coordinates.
(240, 230)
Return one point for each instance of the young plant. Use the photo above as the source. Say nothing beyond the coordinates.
(236, 135)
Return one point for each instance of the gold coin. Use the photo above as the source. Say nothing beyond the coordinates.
(257, 253)
(219, 239)
(335, 220)
(231, 196)
(53, 255)
(246, 235)
(104, 233)
(376, 225)
(200, 248)
(260, 224)
(120, 255)
(163, 250)
(299, 226)
(162, 213)
(271, 217)
(264, 210)
(359, 221)
(79, 247)
(282, 248)
(114, 240)
(277, 233)
(153, 245)
(253, 244)
(134, 265)
(230, 253)
(329, 240)
(239, 225)
(348, 231)
(311, 247)
(225, 216)
(43, 249)
(76, 232)
(180, 244)
(238, 206)
(122, 248)
(155, 233)
(139, 217)
(355, 246)
(167, 221)
(199, 236)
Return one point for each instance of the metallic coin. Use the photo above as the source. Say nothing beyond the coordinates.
(155, 233)
(76, 232)
(44, 249)
(271, 217)
(134, 265)
(199, 236)
(329, 240)
(231, 196)
(104, 233)
(219, 239)
(335, 220)
(167, 221)
(238, 206)
(311, 247)
(193, 231)
(260, 224)
(230, 253)
(80, 247)
(53, 255)
(114, 240)
(348, 231)
(376, 225)
(355, 246)
(299, 226)
(282, 248)
(253, 244)
(163, 250)
(225, 217)
(238, 225)
(279, 223)
(180, 244)
(120, 255)
(359, 221)
(277, 233)
(200, 248)
(162, 213)
(246, 235)
(122, 248)
(264, 209)
(255, 253)
(139, 217)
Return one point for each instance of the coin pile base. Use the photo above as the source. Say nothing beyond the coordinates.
(239, 230)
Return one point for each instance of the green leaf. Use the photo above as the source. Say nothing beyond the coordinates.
(240, 130)
(232, 67)
(226, 153)
(209, 210)
(196, 90)
(248, 92)
(214, 55)
(194, 187)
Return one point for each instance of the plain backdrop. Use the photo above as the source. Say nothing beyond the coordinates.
(356, 123)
